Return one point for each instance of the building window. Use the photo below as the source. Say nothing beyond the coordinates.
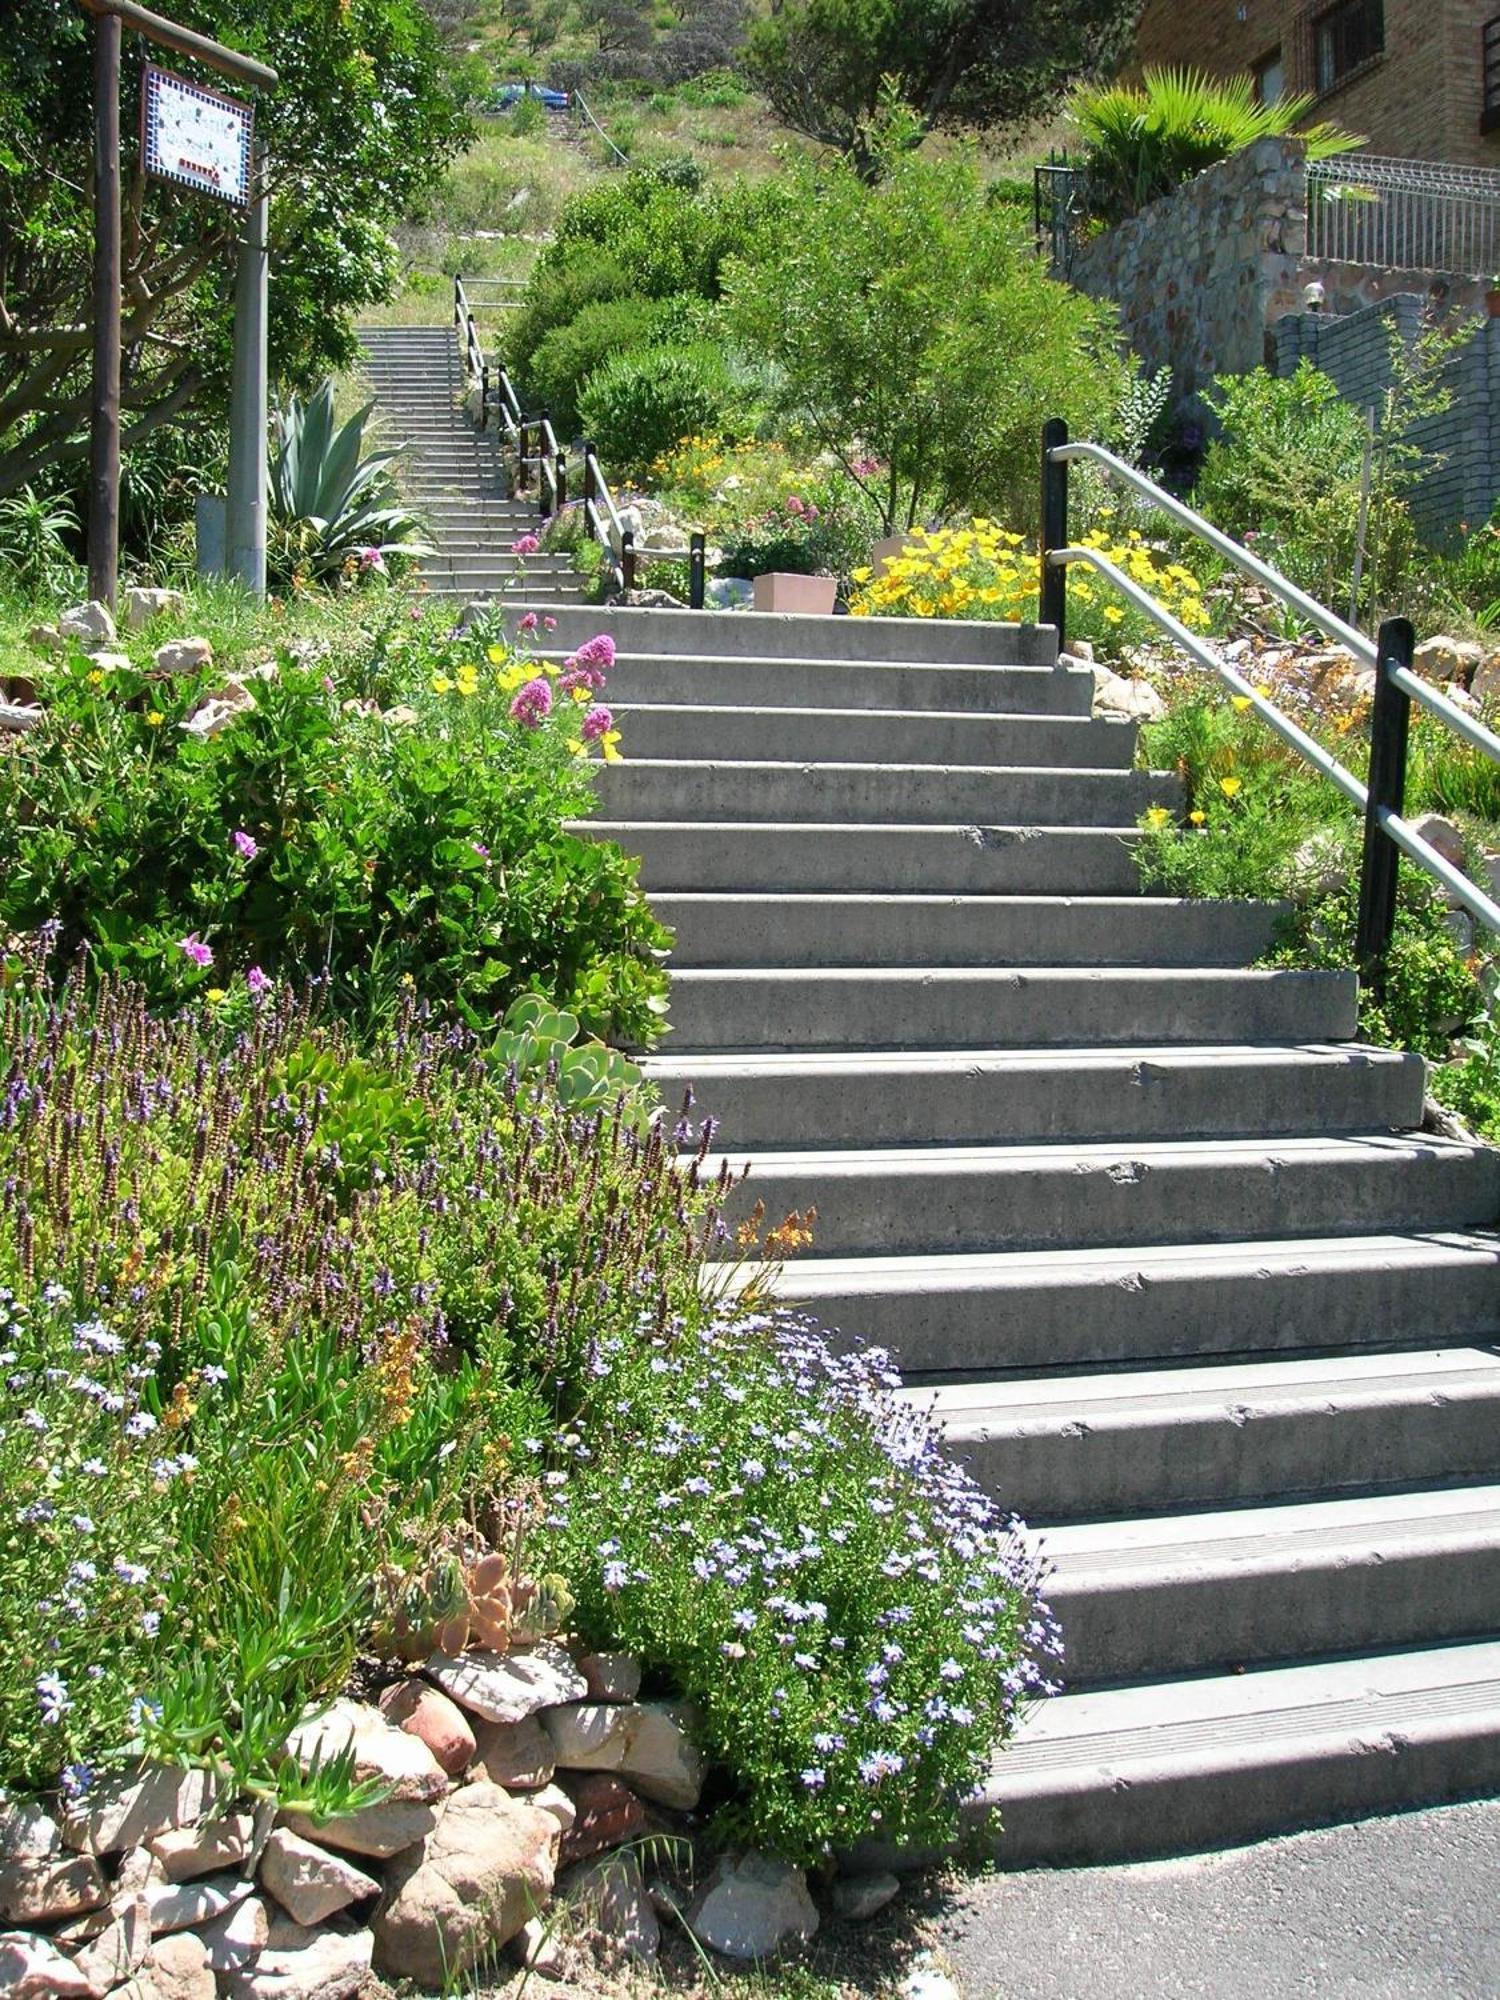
(1345, 38)
(1269, 78)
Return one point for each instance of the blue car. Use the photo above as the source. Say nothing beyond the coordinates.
(507, 94)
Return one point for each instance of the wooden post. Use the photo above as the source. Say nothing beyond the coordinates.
(104, 456)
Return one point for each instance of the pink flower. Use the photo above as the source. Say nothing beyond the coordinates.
(480, 849)
(533, 703)
(245, 845)
(595, 723)
(371, 560)
(414, 613)
(196, 949)
(526, 546)
(549, 624)
(529, 622)
(576, 676)
(793, 505)
(863, 467)
(596, 652)
(258, 982)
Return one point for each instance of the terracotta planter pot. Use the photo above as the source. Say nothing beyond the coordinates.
(782, 590)
(1492, 301)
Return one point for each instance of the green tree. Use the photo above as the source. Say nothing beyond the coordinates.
(363, 122)
(956, 63)
(909, 321)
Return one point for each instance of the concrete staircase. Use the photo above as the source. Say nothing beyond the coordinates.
(454, 474)
(1161, 1240)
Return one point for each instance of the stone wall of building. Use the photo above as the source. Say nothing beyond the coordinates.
(1354, 351)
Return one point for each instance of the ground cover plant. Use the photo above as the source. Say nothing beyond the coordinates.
(390, 814)
(289, 1318)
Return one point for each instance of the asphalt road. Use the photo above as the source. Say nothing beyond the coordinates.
(1406, 1908)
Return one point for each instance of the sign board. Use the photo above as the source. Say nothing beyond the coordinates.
(195, 136)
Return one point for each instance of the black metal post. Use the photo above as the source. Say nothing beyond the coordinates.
(560, 480)
(458, 292)
(1389, 726)
(484, 398)
(523, 441)
(697, 568)
(1052, 607)
(104, 447)
(627, 559)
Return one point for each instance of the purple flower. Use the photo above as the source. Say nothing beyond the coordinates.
(371, 561)
(615, 1576)
(258, 982)
(595, 724)
(54, 1699)
(532, 704)
(529, 622)
(245, 845)
(526, 545)
(196, 949)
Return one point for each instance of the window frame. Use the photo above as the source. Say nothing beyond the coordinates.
(1330, 27)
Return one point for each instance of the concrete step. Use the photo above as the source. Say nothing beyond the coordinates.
(656, 788)
(876, 736)
(747, 635)
(1064, 1447)
(1180, 1593)
(679, 679)
(896, 860)
(950, 1097)
(919, 1201)
(945, 1007)
(974, 1312)
(805, 930)
(1220, 1759)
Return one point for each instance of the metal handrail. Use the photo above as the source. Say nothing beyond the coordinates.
(1390, 658)
(475, 366)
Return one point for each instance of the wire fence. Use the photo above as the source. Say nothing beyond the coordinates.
(1404, 215)
(582, 113)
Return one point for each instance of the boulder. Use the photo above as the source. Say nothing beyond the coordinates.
(183, 1906)
(127, 1811)
(46, 639)
(235, 1938)
(40, 1889)
(1443, 835)
(119, 1950)
(183, 656)
(1320, 866)
(611, 1676)
(752, 1906)
(1136, 700)
(379, 1831)
(923, 1983)
(467, 1889)
(32, 1968)
(647, 1743)
(176, 1968)
(111, 663)
(1485, 686)
(507, 1687)
(301, 1964)
(142, 605)
(517, 1755)
(187, 1851)
(554, 1800)
(400, 1763)
(427, 1713)
(857, 1898)
(610, 1895)
(92, 624)
(535, 1946)
(27, 1831)
(213, 717)
(605, 1812)
(1445, 659)
(308, 1881)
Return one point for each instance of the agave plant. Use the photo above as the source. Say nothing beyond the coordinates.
(331, 505)
(1143, 140)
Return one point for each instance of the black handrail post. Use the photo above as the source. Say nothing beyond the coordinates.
(458, 292)
(484, 397)
(1390, 724)
(697, 568)
(590, 488)
(560, 480)
(627, 559)
(1052, 607)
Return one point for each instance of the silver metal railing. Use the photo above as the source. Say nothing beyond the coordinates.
(1404, 214)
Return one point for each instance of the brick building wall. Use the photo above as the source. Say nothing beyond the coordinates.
(1419, 99)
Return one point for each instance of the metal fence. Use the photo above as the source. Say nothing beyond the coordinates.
(1060, 211)
(1404, 215)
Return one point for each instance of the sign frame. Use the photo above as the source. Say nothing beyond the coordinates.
(156, 83)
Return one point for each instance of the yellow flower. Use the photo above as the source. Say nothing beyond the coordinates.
(96, 679)
(862, 574)
(1114, 614)
(155, 719)
(511, 679)
(1157, 818)
(578, 749)
(498, 655)
(1239, 701)
(1264, 691)
(1198, 818)
(607, 743)
(1229, 787)
(441, 684)
(582, 697)
(214, 995)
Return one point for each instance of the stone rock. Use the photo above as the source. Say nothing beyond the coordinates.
(234, 1939)
(647, 600)
(1320, 866)
(112, 663)
(647, 1743)
(427, 1713)
(119, 1950)
(535, 1947)
(1492, 869)
(1137, 700)
(611, 1676)
(1443, 835)
(27, 1831)
(554, 1800)
(1082, 649)
(401, 717)
(176, 1968)
(1485, 686)
(751, 1906)
(32, 1968)
(857, 1898)
(90, 623)
(182, 1906)
(924, 1984)
(187, 1851)
(1445, 659)
(299, 1964)
(517, 1755)
(213, 717)
(183, 656)
(611, 1896)
(384, 1754)
(139, 1870)
(127, 1812)
(46, 639)
(308, 1881)
(507, 1687)
(38, 1889)
(142, 605)
(605, 1813)
(485, 1868)
(1360, 686)
(379, 1831)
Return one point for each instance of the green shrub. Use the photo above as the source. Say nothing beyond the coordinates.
(1470, 1084)
(670, 237)
(391, 827)
(563, 362)
(555, 297)
(638, 405)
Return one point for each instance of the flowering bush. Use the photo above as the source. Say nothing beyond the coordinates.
(398, 818)
(287, 1320)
